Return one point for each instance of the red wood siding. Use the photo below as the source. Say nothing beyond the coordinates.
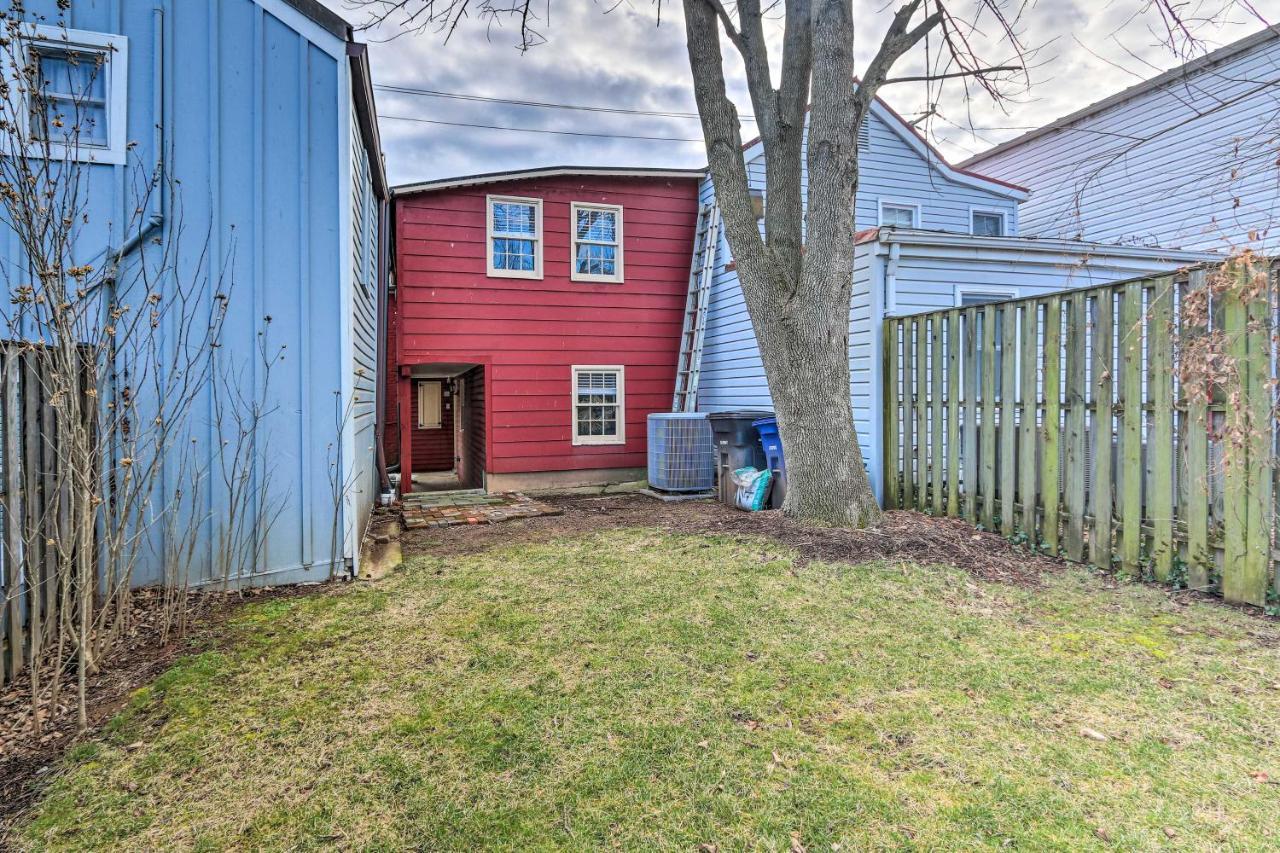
(391, 399)
(529, 333)
(476, 426)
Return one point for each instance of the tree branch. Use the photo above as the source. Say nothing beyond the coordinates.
(994, 69)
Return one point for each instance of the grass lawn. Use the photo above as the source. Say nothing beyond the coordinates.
(646, 690)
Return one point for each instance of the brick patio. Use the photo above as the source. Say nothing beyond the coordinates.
(445, 509)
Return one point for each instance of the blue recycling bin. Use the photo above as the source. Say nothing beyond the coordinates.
(771, 442)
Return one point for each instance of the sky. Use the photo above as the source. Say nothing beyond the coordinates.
(617, 54)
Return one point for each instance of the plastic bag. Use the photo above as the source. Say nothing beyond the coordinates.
(751, 488)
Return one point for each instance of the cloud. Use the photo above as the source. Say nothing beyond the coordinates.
(613, 54)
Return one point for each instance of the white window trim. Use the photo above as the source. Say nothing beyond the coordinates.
(1001, 290)
(990, 211)
(574, 275)
(116, 151)
(424, 421)
(621, 437)
(538, 237)
(897, 202)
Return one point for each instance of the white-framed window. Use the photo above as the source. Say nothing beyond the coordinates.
(967, 295)
(987, 223)
(899, 214)
(597, 242)
(515, 237)
(599, 404)
(76, 106)
(430, 405)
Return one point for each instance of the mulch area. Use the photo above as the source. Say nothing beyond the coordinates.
(907, 536)
(142, 657)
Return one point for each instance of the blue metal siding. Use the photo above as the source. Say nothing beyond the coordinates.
(1188, 164)
(257, 132)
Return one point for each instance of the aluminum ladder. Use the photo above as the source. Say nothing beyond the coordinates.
(701, 270)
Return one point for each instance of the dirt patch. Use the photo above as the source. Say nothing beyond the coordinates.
(140, 658)
(909, 536)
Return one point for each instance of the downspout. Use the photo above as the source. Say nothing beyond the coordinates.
(380, 390)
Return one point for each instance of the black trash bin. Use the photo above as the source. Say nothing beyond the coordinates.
(737, 446)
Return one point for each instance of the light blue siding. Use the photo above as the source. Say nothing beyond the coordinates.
(1188, 162)
(252, 102)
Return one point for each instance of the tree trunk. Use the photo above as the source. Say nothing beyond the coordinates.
(806, 357)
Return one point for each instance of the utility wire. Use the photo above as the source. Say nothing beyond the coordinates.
(543, 130)
(459, 96)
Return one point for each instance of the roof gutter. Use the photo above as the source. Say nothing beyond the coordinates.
(907, 237)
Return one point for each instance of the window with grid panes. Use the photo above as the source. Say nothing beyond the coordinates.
(597, 242)
(515, 237)
(598, 405)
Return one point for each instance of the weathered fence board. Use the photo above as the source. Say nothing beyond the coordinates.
(1078, 421)
(32, 508)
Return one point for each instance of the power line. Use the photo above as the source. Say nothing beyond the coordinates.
(543, 130)
(459, 96)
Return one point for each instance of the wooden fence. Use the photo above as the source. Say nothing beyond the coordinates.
(29, 509)
(1066, 419)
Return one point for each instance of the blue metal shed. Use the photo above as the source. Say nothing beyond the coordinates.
(260, 113)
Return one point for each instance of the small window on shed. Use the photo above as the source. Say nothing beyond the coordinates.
(515, 237)
(988, 223)
(599, 410)
(597, 242)
(76, 104)
(894, 214)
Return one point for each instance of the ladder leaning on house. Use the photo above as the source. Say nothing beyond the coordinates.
(689, 365)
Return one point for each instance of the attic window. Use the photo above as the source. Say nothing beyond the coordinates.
(896, 214)
(988, 223)
(76, 103)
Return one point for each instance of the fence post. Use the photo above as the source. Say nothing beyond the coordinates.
(1050, 479)
(969, 439)
(1261, 468)
(1160, 447)
(908, 414)
(891, 465)
(953, 413)
(1028, 359)
(986, 364)
(1131, 474)
(1195, 443)
(922, 413)
(1237, 585)
(1074, 473)
(1008, 417)
(1100, 545)
(936, 415)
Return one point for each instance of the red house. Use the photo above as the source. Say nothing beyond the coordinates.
(535, 324)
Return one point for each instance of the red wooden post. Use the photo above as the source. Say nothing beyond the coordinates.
(407, 421)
